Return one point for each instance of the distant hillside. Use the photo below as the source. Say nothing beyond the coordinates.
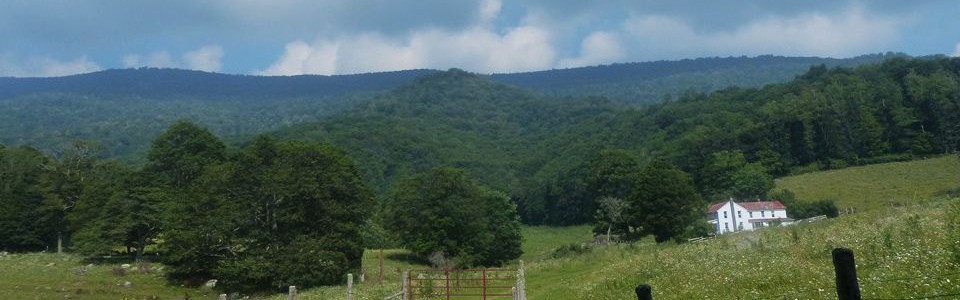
(122, 109)
(164, 84)
(649, 82)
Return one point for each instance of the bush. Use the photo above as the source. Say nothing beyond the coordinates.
(571, 250)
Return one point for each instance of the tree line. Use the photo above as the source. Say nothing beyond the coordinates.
(263, 217)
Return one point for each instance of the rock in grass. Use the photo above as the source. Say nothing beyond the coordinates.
(210, 284)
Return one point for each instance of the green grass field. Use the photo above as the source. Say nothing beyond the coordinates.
(874, 186)
(55, 276)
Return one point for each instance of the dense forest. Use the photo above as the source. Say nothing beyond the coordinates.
(121, 109)
(538, 147)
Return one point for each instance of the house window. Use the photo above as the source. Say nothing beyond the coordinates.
(727, 226)
(724, 214)
(741, 226)
(773, 214)
(751, 214)
(763, 213)
(739, 214)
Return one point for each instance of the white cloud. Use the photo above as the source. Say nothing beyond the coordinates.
(599, 47)
(850, 32)
(956, 50)
(489, 10)
(206, 58)
(302, 58)
(522, 48)
(45, 66)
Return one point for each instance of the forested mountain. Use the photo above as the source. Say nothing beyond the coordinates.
(121, 109)
(537, 147)
(651, 82)
(502, 134)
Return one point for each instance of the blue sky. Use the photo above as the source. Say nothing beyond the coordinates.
(287, 37)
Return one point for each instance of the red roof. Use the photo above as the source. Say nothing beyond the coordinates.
(716, 206)
(750, 206)
(762, 205)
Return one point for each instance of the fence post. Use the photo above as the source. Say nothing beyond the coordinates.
(405, 285)
(521, 282)
(644, 292)
(446, 274)
(292, 293)
(848, 288)
(484, 283)
(350, 286)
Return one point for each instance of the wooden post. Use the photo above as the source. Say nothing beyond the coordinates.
(292, 293)
(405, 285)
(521, 282)
(644, 292)
(483, 282)
(446, 275)
(848, 288)
(349, 286)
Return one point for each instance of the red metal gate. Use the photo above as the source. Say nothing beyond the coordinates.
(460, 284)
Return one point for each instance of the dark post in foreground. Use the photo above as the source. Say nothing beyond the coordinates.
(848, 288)
(644, 292)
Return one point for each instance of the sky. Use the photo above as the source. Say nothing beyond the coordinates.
(42, 38)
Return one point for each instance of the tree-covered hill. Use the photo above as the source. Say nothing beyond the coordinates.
(458, 119)
(537, 147)
(121, 109)
(650, 82)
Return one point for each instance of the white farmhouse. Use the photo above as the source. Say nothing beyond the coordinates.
(733, 216)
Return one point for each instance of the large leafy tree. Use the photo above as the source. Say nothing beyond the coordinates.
(180, 154)
(275, 215)
(63, 185)
(21, 199)
(443, 211)
(183, 162)
(728, 174)
(664, 202)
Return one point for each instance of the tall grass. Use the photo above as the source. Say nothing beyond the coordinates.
(875, 186)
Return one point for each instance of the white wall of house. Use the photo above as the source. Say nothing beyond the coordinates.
(732, 217)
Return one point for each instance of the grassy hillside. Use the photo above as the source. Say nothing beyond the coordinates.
(901, 253)
(874, 186)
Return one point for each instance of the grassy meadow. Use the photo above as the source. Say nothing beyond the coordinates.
(874, 186)
(66, 276)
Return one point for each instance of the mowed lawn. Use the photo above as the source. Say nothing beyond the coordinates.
(882, 185)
